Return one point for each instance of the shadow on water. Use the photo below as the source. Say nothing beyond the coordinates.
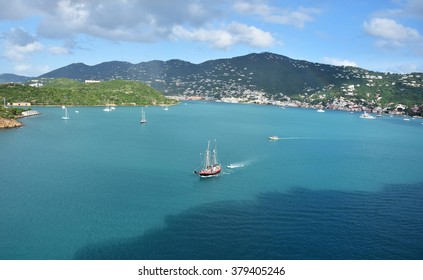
(299, 224)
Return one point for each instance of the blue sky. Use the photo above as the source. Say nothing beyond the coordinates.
(40, 36)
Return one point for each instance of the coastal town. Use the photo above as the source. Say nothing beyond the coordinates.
(340, 104)
(364, 96)
(257, 78)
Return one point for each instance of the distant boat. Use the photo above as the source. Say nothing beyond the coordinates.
(274, 138)
(320, 111)
(143, 119)
(112, 108)
(210, 167)
(107, 109)
(365, 115)
(165, 108)
(66, 116)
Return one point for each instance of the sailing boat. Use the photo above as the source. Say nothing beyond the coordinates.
(210, 167)
(66, 116)
(143, 119)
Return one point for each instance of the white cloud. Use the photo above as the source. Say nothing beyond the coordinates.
(406, 9)
(394, 36)
(140, 21)
(234, 33)
(252, 8)
(297, 18)
(13, 10)
(339, 62)
(406, 68)
(19, 53)
(22, 68)
(19, 44)
(30, 70)
(147, 21)
(74, 15)
(59, 50)
(389, 32)
(414, 8)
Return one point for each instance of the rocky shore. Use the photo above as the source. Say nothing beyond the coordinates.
(9, 123)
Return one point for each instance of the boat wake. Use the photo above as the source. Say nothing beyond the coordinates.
(239, 164)
(297, 138)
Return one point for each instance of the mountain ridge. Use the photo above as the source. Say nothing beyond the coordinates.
(275, 76)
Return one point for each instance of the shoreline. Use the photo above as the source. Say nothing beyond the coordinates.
(14, 123)
(10, 123)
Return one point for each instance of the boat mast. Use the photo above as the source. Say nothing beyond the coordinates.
(215, 153)
(207, 159)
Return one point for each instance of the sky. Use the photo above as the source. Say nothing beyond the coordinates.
(42, 35)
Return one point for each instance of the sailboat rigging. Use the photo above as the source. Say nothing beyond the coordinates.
(210, 167)
(143, 119)
(66, 116)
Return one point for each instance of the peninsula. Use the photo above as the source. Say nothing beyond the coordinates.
(8, 117)
(9, 123)
(63, 91)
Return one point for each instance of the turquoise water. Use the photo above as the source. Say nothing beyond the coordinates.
(102, 186)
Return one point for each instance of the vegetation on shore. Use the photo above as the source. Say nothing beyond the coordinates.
(8, 117)
(10, 113)
(65, 91)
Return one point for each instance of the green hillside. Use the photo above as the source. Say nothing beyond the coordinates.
(70, 92)
(275, 76)
(10, 113)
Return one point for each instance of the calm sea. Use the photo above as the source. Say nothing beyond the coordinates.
(102, 186)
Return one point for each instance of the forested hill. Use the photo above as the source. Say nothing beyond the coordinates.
(271, 74)
(65, 91)
(274, 76)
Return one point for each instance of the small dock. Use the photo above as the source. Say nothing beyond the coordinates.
(29, 113)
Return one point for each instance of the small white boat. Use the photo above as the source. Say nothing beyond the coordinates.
(365, 115)
(320, 111)
(165, 108)
(66, 116)
(274, 138)
(112, 108)
(107, 109)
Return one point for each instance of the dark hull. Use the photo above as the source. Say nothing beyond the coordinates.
(205, 175)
